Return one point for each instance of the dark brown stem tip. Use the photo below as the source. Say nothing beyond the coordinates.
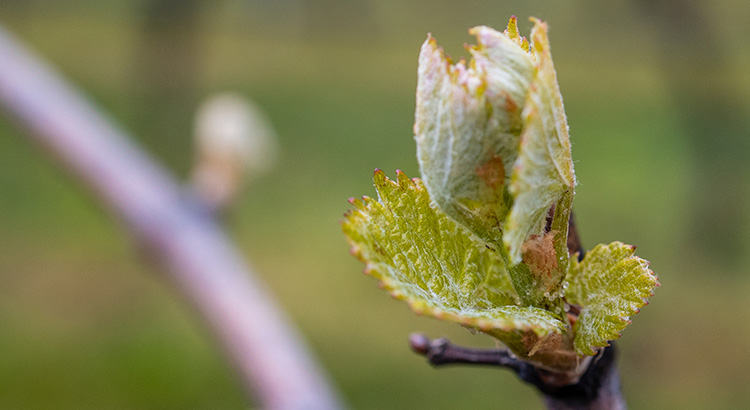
(442, 352)
(419, 343)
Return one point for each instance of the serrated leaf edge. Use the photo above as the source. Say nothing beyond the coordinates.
(421, 307)
(624, 319)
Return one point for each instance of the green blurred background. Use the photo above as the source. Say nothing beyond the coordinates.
(657, 95)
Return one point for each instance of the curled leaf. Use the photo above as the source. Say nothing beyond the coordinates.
(467, 127)
(543, 172)
(493, 148)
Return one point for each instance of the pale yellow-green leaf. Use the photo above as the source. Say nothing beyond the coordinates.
(437, 266)
(543, 172)
(507, 70)
(467, 128)
(610, 284)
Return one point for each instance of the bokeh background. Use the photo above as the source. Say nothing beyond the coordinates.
(657, 94)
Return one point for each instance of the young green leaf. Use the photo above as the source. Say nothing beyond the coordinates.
(610, 284)
(493, 148)
(543, 172)
(467, 127)
(437, 266)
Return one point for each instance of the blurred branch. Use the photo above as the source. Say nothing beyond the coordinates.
(191, 248)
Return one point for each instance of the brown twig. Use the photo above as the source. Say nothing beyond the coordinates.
(441, 351)
(258, 338)
(597, 389)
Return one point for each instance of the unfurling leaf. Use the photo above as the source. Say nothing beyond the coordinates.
(493, 148)
(467, 128)
(543, 172)
(438, 267)
(610, 284)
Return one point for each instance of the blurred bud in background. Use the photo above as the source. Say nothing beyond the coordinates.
(234, 142)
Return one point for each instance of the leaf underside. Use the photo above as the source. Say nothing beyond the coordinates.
(610, 284)
(437, 266)
(466, 144)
